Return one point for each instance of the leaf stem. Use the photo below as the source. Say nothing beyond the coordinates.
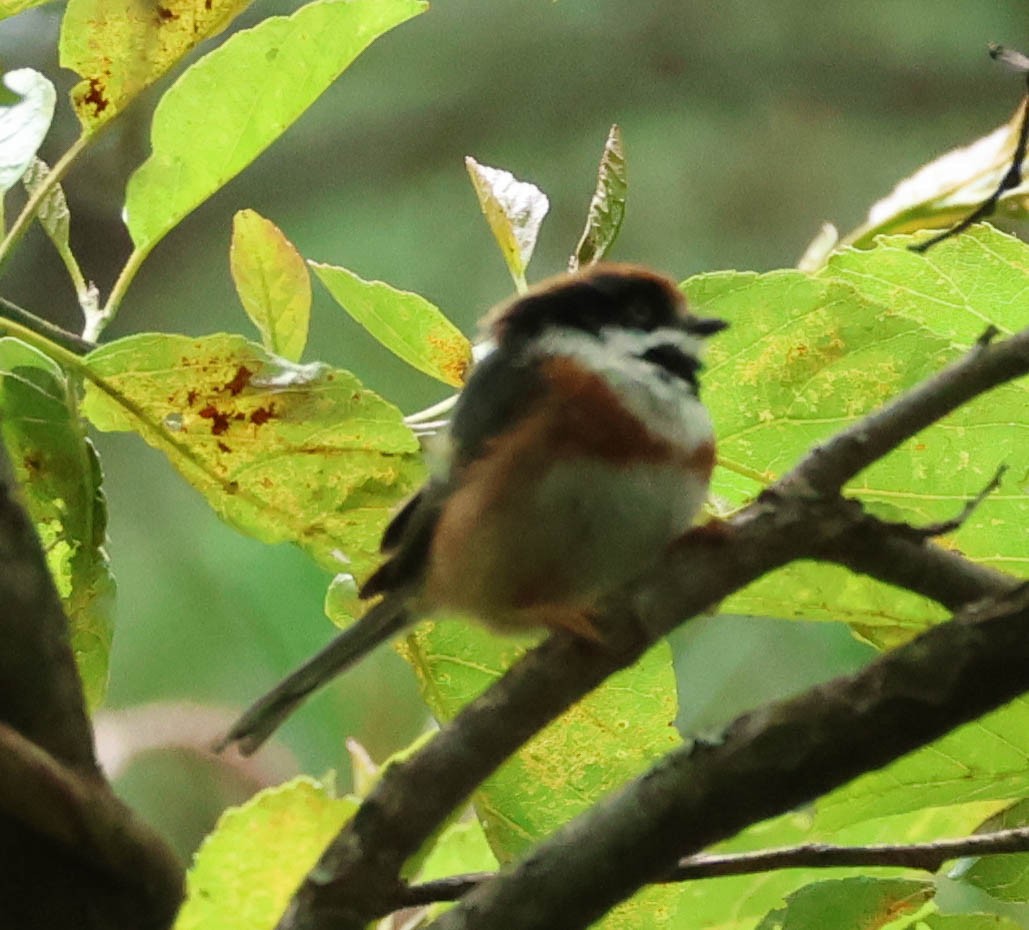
(28, 212)
(96, 324)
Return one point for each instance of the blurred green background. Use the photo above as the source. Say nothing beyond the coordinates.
(746, 124)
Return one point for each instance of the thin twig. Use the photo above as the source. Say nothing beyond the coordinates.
(1012, 177)
(357, 878)
(770, 761)
(62, 337)
(928, 857)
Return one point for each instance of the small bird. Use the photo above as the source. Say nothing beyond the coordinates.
(577, 453)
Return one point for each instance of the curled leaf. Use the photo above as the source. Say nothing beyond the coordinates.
(607, 206)
(23, 123)
(514, 210)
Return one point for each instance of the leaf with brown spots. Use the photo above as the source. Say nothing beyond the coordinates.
(284, 452)
(809, 354)
(59, 473)
(405, 323)
(120, 48)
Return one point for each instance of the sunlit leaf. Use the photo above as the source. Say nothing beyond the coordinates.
(607, 206)
(24, 123)
(272, 282)
(284, 452)
(59, 472)
(514, 210)
(405, 323)
(1004, 877)
(812, 353)
(120, 47)
(601, 742)
(968, 922)
(948, 188)
(247, 870)
(980, 761)
(849, 904)
(53, 214)
(231, 105)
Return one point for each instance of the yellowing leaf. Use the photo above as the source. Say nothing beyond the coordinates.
(14, 7)
(231, 105)
(272, 282)
(120, 47)
(24, 123)
(59, 473)
(514, 210)
(247, 870)
(405, 323)
(607, 206)
(809, 354)
(284, 452)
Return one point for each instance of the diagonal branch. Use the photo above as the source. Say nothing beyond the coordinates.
(357, 878)
(830, 466)
(771, 761)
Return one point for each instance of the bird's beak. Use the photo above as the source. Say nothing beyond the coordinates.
(703, 326)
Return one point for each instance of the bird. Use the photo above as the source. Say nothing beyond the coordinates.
(577, 453)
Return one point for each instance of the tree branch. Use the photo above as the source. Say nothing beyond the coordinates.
(772, 760)
(830, 466)
(74, 858)
(928, 857)
(357, 878)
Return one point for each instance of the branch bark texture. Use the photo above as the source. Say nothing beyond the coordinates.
(802, 516)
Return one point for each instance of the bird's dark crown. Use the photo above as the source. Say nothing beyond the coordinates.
(603, 295)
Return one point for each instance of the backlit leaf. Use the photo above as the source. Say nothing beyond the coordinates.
(811, 353)
(120, 47)
(231, 105)
(849, 904)
(23, 123)
(247, 870)
(948, 188)
(272, 282)
(514, 210)
(284, 452)
(59, 472)
(607, 206)
(405, 323)
(601, 742)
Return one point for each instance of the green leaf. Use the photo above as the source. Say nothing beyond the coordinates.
(858, 903)
(987, 760)
(609, 737)
(948, 188)
(968, 922)
(120, 47)
(247, 870)
(59, 472)
(607, 206)
(284, 452)
(10, 8)
(405, 323)
(514, 210)
(1005, 877)
(272, 282)
(24, 123)
(231, 105)
(816, 352)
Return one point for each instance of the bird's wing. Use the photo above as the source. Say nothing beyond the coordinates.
(497, 394)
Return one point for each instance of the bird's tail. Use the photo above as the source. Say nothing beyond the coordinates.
(383, 621)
